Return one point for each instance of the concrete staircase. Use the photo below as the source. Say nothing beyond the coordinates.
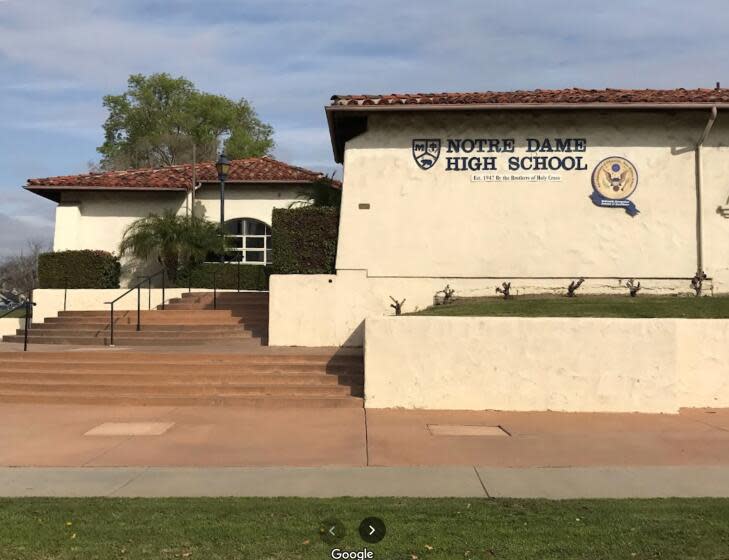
(306, 379)
(238, 318)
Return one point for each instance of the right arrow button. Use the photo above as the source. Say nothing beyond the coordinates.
(372, 530)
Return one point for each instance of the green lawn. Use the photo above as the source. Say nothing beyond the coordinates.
(586, 306)
(257, 529)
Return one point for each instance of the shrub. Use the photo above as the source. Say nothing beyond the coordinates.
(304, 240)
(252, 277)
(82, 269)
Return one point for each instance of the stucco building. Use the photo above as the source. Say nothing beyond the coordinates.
(533, 187)
(94, 209)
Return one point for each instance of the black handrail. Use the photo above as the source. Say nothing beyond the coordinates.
(65, 292)
(138, 287)
(215, 290)
(28, 304)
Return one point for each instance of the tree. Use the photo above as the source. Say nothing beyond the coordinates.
(173, 240)
(20, 273)
(159, 118)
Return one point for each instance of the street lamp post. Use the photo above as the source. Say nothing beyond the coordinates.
(222, 166)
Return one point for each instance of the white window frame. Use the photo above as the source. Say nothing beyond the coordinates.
(242, 250)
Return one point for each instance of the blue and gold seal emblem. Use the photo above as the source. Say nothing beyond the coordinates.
(615, 179)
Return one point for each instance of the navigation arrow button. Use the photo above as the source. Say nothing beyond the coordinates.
(331, 530)
(372, 530)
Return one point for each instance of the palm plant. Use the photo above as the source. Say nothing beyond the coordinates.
(320, 193)
(172, 239)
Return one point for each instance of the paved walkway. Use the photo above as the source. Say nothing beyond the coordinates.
(330, 482)
(54, 436)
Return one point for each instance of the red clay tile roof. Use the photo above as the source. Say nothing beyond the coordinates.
(540, 96)
(255, 170)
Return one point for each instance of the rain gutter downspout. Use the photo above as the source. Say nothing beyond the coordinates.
(699, 181)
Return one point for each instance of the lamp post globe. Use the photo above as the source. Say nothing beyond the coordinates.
(222, 166)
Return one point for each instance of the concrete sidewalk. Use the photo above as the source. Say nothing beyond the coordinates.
(60, 436)
(330, 482)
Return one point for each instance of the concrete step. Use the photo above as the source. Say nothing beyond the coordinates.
(144, 368)
(145, 313)
(234, 309)
(156, 320)
(92, 377)
(181, 389)
(316, 356)
(145, 332)
(222, 298)
(122, 340)
(236, 296)
(99, 326)
(177, 317)
(273, 379)
(170, 400)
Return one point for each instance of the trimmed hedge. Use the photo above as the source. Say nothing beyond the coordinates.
(304, 240)
(83, 269)
(252, 277)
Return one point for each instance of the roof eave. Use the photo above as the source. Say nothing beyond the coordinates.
(339, 143)
(329, 112)
(521, 106)
(51, 191)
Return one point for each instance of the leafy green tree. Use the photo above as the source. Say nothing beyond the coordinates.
(173, 240)
(159, 118)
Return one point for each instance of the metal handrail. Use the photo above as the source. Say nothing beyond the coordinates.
(28, 304)
(138, 287)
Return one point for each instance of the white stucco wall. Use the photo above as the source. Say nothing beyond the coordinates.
(564, 364)
(435, 223)
(10, 325)
(97, 220)
(330, 310)
(424, 229)
(245, 201)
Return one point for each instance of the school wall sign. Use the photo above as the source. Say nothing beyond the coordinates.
(466, 154)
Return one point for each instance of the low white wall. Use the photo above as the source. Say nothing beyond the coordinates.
(9, 325)
(330, 309)
(49, 302)
(565, 364)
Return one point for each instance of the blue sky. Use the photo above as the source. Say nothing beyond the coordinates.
(58, 58)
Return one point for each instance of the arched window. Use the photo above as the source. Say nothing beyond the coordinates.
(249, 241)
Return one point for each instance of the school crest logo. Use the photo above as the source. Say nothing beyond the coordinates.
(614, 179)
(426, 152)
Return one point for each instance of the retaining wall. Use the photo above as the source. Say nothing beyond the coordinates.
(563, 364)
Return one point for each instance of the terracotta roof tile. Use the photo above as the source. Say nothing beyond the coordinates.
(263, 170)
(540, 96)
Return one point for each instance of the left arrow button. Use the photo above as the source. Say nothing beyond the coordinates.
(331, 530)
